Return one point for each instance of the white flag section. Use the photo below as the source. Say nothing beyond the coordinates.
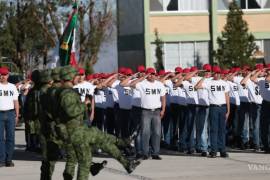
(73, 61)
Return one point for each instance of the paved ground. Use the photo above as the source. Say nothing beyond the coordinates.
(174, 166)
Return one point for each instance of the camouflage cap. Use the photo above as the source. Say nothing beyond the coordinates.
(67, 73)
(56, 74)
(45, 76)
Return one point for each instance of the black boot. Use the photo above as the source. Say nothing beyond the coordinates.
(132, 164)
(97, 167)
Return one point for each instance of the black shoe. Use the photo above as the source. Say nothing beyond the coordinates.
(224, 154)
(190, 151)
(9, 164)
(212, 154)
(132, 166)
(145, 157)
(139, 156)
(156, 157)
(2, 165)
(204, 154)
(199, 151)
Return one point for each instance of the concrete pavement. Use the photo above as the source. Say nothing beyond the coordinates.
(174, 166)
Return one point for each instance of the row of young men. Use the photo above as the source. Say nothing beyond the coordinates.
(57, 110)
(206, 98)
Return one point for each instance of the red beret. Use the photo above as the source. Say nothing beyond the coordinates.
(122, 70)
(225, 71)
(95, 76)
(81, 71)
(89, 77)
(141, 69)
(207, 67)
(178, 70)
(161, 72)
(267, 66)
(4, 71)
(246, 67)
(150, 71)
(193, 68)
(216, 69)
(259, 66)
(128, 71)
(186, 70)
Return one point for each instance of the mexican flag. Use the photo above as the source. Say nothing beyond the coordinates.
(67, 42)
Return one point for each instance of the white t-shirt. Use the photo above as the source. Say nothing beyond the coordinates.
(100, 99)
(243, 91)
(85, 88)
(191, 93)
(125, 97)
(234, 95)
(151, 93)
(217, 90)
(264, 89)
(168, 86)
(8, 94)
(114, 91)
(136, 98)
(254, 92)
(109, 97)
(203, 94)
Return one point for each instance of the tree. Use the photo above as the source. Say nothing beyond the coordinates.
(236, 44)
(158, 52)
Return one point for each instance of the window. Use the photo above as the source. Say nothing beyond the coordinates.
(178, 5)
(245, 4)
(184, 54)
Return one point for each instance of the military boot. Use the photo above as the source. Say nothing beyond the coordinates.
(131, 166)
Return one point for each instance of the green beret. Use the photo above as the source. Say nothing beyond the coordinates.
(67, 73)
(45, 76)
(56, 74)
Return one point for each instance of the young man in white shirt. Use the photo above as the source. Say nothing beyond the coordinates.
(244, 116)
(256, 101)
(219, 111)
(264, 86)
(203, 113)
(153, 104)
(9, 115)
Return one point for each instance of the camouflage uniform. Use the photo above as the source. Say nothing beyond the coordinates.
(71, 115)
(51, 142)
(30, 113)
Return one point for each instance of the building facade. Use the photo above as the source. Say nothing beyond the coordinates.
(189, 29)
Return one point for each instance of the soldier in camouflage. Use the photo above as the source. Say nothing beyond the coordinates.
(30, 113)
(47, 136)
(74, 131)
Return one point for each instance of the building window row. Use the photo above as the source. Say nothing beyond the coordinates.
(196, 53)
(184, 54)
(178, 5)
(245, 4)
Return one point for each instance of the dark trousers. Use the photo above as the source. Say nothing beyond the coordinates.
(265, 122)
(182, 127)
(192, 111)
(7, 135)
(217, 116)
(123, 123)
(99, 118)
(166, 127)
(255, 124)
(244, 118)
(110, 121)
(232, 124)
(175, 117)
(136, 126)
